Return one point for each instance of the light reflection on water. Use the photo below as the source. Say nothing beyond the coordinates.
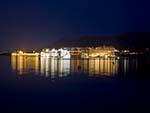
(54, 67)
(95, 66)
(61, 67)
(23, 65)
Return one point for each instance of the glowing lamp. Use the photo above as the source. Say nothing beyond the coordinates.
(20, 52)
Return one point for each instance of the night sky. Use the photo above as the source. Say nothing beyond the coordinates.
(28, 24)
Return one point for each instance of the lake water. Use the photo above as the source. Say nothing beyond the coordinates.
(53, 68)
(39, 85)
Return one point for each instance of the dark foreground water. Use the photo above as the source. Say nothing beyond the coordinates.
(34, 85)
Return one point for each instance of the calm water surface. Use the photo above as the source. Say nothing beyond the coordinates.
(39, 85)
(53, 68)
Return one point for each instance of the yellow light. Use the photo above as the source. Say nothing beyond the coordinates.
(106, 56)
(37, 54)
(20, 52)
(14, 54)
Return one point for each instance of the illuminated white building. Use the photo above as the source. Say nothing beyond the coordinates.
(56, 53)
(91, 52)
(64, 53)
(45, 53)
(49, 53)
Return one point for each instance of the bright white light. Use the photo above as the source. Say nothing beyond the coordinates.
(64, 53)
(20, 52)
(47, 50)
(43, 54)
(118, 58)
(106, 56)
(54, 53)
(61, 53)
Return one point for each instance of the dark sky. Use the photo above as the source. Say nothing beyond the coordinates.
(28, 24)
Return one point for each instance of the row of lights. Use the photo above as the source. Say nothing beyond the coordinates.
(21, 53)
(60, 53)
